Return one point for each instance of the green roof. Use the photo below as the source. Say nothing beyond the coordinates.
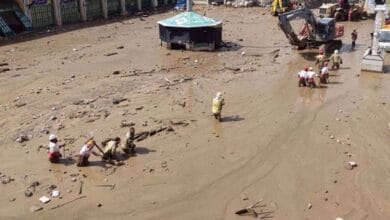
(188, 20)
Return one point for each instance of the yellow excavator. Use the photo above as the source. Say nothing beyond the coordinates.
(280, 6)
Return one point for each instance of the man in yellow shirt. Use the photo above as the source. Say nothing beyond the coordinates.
(217, 104)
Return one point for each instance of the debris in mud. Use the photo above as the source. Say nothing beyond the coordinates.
(176, 81)
(35, 208)
(84, 101)
(118, 100)
(126, 124)
(244, 197)
(350, 165)
(250, 210)
(3, 70)
(44, 199)
(28, 193)
(58, 126)
(6, 179)
(183, 123)
(164, 164)
(139, 108)
(110, 54)
(55, 193)
(23, 138)
(20, 104)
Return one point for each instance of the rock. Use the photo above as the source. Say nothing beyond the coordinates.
(243, 53)
(28, 193)
(331, 137)
(118, 100)
(120, 47)
(35, 208)
(53, 118)
(99, 205)
(74, 179)
(309, 206)
(116, 72)
(339, 218)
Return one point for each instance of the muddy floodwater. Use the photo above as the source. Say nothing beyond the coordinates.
(286, 145)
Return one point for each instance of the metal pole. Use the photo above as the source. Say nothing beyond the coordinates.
(189, 5)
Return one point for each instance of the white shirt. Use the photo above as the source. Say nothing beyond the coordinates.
(311, 74)
(53, 147)
(302, 73)
(324, 70)
(85, 151)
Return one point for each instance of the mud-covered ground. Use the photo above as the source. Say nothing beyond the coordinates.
(286, 145)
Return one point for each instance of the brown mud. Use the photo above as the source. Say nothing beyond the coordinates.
(280, 143)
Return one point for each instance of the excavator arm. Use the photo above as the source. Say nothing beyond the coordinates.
(301, 13)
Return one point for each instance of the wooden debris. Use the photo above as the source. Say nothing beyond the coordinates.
(81, 187)
(249, 210)
(66, 203)
(110, 54)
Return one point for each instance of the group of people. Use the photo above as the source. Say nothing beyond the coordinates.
(306, 76)
(108, 152)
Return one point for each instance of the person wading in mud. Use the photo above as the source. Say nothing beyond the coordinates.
(85, 152)
(354, 36)
(54, 149)
(302, 77)
(110, 146)
(320, 59)
(336, 60)
(310, 78)
(324, 74)
(128, 146)
(217, 104)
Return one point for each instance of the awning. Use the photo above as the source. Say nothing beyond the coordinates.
(189, 20)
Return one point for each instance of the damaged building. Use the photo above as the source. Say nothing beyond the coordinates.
(20, 16)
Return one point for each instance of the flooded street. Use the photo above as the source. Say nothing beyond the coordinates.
(280, 143)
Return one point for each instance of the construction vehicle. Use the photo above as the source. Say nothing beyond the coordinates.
(316, 33)
(350, 12)
(280, 6)
(374, 57)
